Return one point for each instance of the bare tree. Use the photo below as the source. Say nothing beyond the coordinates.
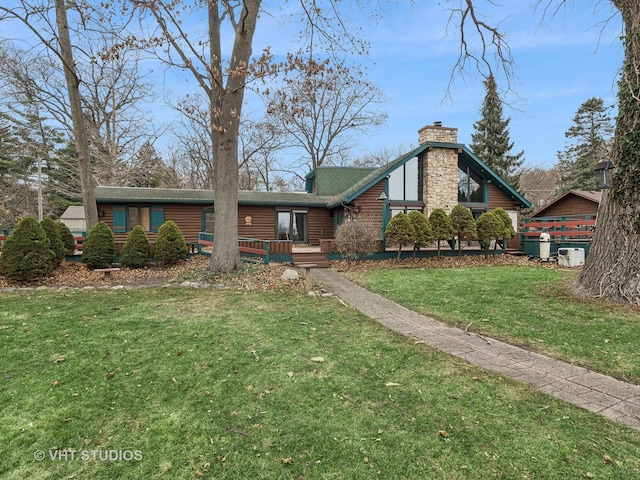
(322, 107)
(539, 185)
(223, 75)
(38, 20)
(260, 142)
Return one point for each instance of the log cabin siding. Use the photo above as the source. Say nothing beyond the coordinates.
(571, 205)
(188, 217)
(497, 199)
(369, 204)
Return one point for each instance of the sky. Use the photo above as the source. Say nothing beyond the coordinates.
(560, 63)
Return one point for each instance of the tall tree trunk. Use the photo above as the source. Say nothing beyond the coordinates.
(612, 269)
(226, 105)
(79, 127)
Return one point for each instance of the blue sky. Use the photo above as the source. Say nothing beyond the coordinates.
(560, 64)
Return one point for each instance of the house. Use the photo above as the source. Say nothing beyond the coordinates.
(572, 203)
(569, 220)
(73, 217)
(439, 173)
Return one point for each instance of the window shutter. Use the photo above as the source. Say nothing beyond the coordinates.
(119, 219)
(157, 217)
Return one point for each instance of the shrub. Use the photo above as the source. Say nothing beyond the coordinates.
(99, 248)
(26, 254)
(490, 227)
(135, 251)
(399, 231)
(53, 234)
(463, 224)
(67, 238)
(508, 231)
(358, 237)
(441, 226)
(170, 244)
(422, 229)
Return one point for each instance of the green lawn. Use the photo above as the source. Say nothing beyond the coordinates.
(214, 384)
(528, 306)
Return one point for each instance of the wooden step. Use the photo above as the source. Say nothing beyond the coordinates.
(306, 258)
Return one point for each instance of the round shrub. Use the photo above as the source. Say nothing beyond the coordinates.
(67, 238)
(26, 254)
(53, 234)
(99, 248)
(170, 244)
(400, 231)
(135, 251)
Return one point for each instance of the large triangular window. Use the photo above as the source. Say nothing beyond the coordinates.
(471, 186)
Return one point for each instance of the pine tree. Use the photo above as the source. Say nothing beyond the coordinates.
(490, 227)
(463, 224)
(441, 226)
(589, 143)
(422, 228)
(491, 141)
(399, 231)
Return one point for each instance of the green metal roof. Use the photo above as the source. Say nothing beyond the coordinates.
(175, 195)
(347, 183)
(467, 156)
(332, 180)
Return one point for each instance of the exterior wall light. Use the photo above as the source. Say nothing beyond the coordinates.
(604, 175)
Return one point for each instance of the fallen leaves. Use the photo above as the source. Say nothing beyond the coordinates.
(317, 359)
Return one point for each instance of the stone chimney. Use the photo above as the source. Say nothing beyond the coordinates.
(437, 133)
(440, 163)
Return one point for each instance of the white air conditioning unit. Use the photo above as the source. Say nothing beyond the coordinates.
(570, 257)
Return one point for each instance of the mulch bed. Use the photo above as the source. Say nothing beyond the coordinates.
(253, 277)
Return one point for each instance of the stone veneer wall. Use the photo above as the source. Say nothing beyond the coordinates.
(435, 133)
(440, 168)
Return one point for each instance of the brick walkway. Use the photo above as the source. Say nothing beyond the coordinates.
(606, 396)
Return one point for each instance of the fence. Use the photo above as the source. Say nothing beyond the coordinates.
(564, 232)
(253, 249)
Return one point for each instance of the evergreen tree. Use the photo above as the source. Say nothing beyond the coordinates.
(491, 141)
(26, 254)
(399, 231)
(441, 226)
(171, 246)
(99, 248)
(422, 228)
(508, 231)
(53, 234)
(490, 227)
(67, 238)
(136, 251)
(463, 224)
(589, 143)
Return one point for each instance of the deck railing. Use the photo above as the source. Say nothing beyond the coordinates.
(251, 249)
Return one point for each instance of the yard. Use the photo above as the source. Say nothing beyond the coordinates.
(177, 383)
(524, 305)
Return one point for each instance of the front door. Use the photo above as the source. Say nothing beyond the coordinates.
(292, 225)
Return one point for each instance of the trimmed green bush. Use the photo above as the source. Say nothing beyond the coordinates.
(422, 228)
(400, 231)
(171, 246)
(135, 251)
(490, 227)
(464, 224)
(441, 226)
(26, 254)
(67, 238)
(99, 248)
(53, 234)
